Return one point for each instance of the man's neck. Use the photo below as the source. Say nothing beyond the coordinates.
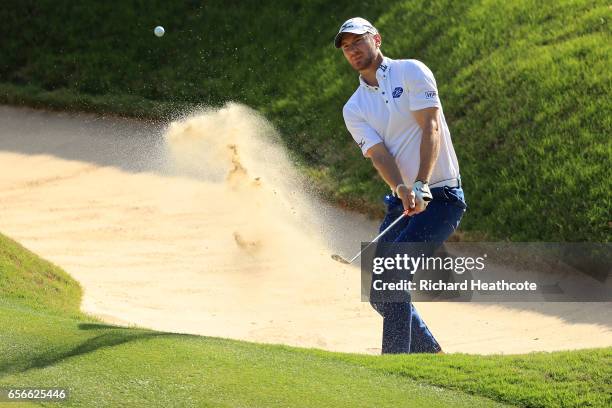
(369, 74)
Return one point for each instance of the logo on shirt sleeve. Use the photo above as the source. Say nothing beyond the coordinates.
(361, 143)
(397, 92)
(430, 94)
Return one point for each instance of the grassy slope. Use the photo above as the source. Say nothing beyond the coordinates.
(133, 367)
(525, 85)
(29, 281)
(525, 88)
(46, 342)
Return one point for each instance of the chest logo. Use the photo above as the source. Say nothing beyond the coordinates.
(397, 92)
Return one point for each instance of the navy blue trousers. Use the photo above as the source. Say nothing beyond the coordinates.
(403, 329)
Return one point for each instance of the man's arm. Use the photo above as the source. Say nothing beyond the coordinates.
(429, 120)
(385, 164)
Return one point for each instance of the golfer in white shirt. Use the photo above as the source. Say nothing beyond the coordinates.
(396, 118)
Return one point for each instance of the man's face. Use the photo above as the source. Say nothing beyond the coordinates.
(360, 49)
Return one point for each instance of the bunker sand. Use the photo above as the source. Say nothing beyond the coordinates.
(204, 227)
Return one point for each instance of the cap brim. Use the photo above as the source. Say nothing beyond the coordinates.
(338, 39)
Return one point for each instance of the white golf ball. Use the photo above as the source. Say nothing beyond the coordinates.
(159, 31)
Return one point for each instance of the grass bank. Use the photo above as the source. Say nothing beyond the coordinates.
(47, 342)
(28, 281)
(134, 367)
(525, 87)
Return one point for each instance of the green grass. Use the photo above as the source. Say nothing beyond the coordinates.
(30, 281)
(525, 86)
(135, 367)
(47, 342)
(128, 367)
(572, 378)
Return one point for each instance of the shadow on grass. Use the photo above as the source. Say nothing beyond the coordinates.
(99, 326)
(114, 336)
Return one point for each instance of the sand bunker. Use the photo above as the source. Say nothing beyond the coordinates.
(204, 227)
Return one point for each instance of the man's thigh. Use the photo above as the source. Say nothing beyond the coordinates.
(435, 224)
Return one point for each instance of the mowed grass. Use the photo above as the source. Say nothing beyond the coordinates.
(525, 86)
(28, 280)
(133, 367)
(130, 366)
(46, 342)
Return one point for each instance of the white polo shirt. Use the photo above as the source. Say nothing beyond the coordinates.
(383, 114)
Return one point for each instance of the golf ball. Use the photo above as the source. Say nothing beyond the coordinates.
(159, 31)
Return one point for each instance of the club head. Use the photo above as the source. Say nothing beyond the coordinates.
(340, 259)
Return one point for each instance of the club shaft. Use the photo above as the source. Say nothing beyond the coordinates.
(398, 219)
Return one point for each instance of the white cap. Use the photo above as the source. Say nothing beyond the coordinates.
(355, 25)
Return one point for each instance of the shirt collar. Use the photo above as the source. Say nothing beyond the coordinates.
(381, 74)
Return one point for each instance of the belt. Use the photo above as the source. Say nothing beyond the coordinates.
(452, 182)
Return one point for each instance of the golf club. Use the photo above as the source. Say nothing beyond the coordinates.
(340, 259)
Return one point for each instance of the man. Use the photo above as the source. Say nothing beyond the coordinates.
(396, 118)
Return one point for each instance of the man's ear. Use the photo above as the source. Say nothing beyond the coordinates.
(377, 40)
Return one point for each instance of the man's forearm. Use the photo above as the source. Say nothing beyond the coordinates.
(387, 169)
(429, 150)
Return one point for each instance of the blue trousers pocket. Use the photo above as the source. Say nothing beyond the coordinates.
(453, 195)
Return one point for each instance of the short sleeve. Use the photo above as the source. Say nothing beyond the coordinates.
(362, 132)
(421, 85)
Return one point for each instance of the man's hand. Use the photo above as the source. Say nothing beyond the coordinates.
(414, 201)
(422, 195)
(408, 199)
